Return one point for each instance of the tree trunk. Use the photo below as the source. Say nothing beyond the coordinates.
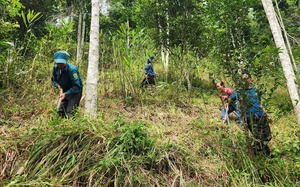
(80, 36)
(283, 56)
(164, 46)
(78, 55)
(187, 78)
(165, 58)
(287, 41)
(92, 74)
(166, 62)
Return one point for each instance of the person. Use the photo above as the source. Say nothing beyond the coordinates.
(149, 73)
(66, 78)
(256, 116)
(224, 95)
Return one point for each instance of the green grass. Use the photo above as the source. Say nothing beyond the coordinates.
(167, 136)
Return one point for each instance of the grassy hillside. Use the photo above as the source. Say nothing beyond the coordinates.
(167, 136)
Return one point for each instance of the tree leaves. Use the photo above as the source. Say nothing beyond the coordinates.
(30, 17)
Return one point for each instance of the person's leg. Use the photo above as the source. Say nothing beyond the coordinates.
(151, 80)
(262, 134)
(249, 125)
(267, 149)
(230, 108)
(223, 114)
(236, 107)
(265, 135)
(252, 126)
(62, 108)
(73, 103)
(144, 83)
(265, 129)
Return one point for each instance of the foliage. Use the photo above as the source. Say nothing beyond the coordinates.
(169, 135)
(9, 11)
(47, 9)
(181, 144)
(11, 69)
(234, 30)
(113, 154)
(120, 12)
(129, 46)
(30, 18)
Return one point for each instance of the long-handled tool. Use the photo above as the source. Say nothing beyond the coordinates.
(59, 99)
(227, 119)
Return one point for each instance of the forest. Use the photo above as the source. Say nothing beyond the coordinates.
(167, 134)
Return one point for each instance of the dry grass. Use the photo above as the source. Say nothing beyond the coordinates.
(193, 145)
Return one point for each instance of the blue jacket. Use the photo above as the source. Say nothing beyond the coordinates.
(149, 70)
(69, 80)
(252, 102)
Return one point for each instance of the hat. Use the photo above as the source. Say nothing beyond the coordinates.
(152, 57)
(246, 76)
(61, 57)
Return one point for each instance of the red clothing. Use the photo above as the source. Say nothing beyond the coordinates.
(228, 92)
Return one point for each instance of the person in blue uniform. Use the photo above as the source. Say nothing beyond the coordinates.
(257, 118)
(149, 73)
(66, 78)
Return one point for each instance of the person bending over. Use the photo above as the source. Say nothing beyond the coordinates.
(224, 95)
(66, 78)
(149, 73)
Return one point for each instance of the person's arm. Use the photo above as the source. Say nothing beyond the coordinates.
(147, 69)
(228, 93)
(265, 111)
(263, 108)
(76, 84)
(233, 97)
(221, 98)
(54, 77)
(225, 97)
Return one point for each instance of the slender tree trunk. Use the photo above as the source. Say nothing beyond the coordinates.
(82, 33)
(92, 74)
(187, 78)
(164, 47)
(78, 55)
(287, 40)
(162, 54)
(80, 36)
(164, 58)
(166, 62)
(72, 12)
(283, 56)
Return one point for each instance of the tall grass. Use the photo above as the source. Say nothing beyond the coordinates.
(118, 154)
(166, 136)
(166, 142)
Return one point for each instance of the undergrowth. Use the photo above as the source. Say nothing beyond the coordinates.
(153, 140)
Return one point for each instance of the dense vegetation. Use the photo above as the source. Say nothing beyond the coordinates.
(170, 135)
